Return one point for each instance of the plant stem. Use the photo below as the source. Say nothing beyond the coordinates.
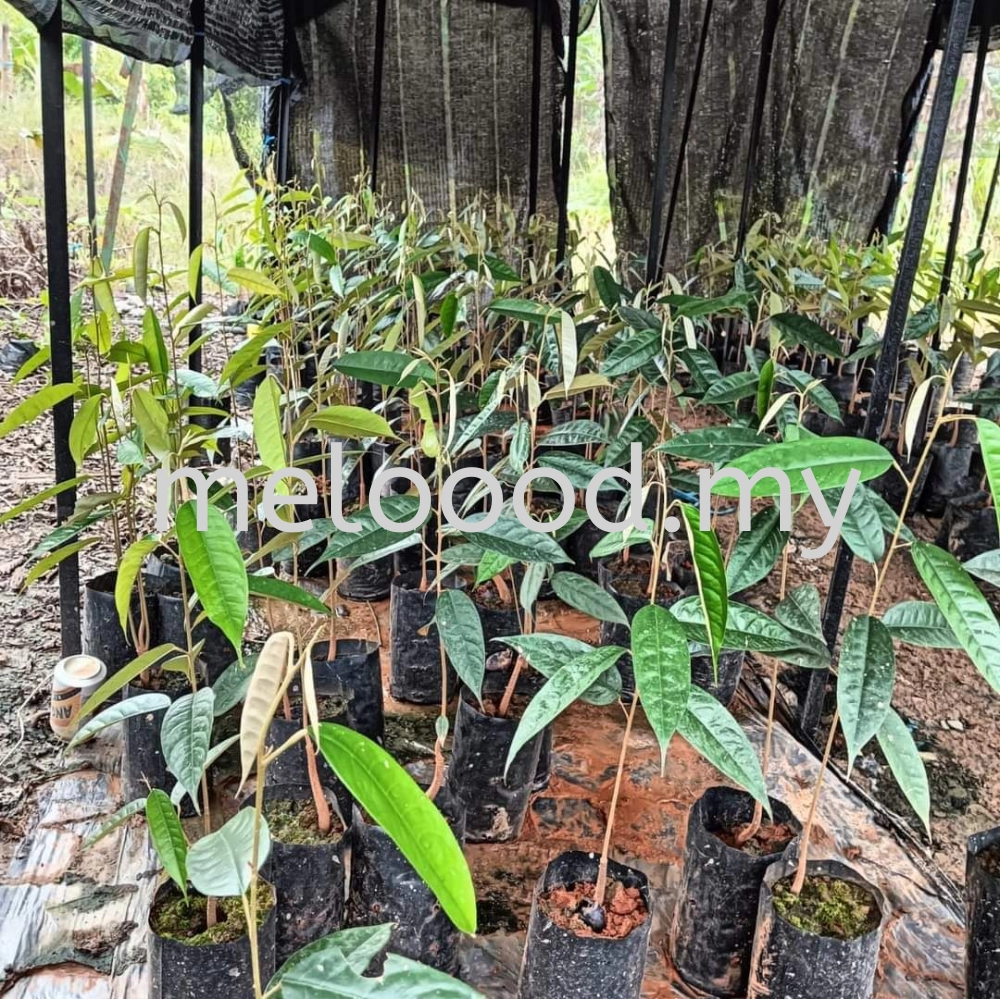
(508, 694)
(800, 872)
(602, 870)
(324, 821)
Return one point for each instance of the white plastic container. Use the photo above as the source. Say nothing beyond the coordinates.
(74, 679)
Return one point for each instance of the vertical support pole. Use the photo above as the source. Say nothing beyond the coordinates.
(88, 144)
(988, 207)
(534, 152)
(196, 172)
(132, 92)
(955, 230)
(50, 47)
(771, 15)
(685, 134)
(378, 74)
(565, 162)
(284, 115)
(899, 307)
(654, 270)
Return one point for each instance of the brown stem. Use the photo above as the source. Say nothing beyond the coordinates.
(324, 820)
(508, 694)
(800, 873)
(602, 870)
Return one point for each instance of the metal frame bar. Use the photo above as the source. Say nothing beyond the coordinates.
(50, 47)
(565, 162)
(988, 207)
(378, 76)
(654, 270)
(196, 149)
(772, 13)
(534, 151)
(899, 306)
(955, 229)
(88, 143)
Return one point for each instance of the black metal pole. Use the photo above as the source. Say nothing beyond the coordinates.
(899, 307)
(534, 152)
(955, 230)
(88, 145)
(653, 270)
(284, 111)
(988, 208)
(196, 175)
(685, 133)
(50, 49)
(567, 137)
(378, 73)
(771, 14)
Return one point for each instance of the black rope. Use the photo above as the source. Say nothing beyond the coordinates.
(685, 133)
(88, 145)
(771, 15)
(196, 166)
(567, 143)
(899, 307)
(534, 153)
(955, 230)
(378, 73)
(653, 268)
(50, 49)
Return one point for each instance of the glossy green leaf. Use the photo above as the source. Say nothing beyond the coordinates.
(50, 561)
(267, 430)
(831, 460)
(985, 567)
(153, 421)
(128, 569)
(220, 864)
(185, 738)
(632, 354)
(764, 388)
(40, 497)
(608, 289)
(214, 563)
(756, 551)
(574, 433)
(120, 817)
(126, 675)
(510, 537)
(395, 802)
(167, 837)
(385, 367)
(586, 596)
(358, 946)
(989, 440)
(178, 792)
(907, 767)
(920, 623)
(862, 527)
(662, 664)
(253, 281)
(732, 388)
(715, 445)
(559, 692)
(800, 330)
(549, 653)
(83, 430)
(129, 708)
(801, 611)
(279, 589)
(350, 422)
(713, 732)
(525, 310)
(963, 607)
(491, 564)
(865, 681)
(710, 571)
(461, 632)
(33, 407)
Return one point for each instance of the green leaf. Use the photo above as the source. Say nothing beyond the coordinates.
(616, 541)
(710, 571)
(963, 607)
(802, 331)
(549, 653)
(586, 596)
(119, 818)
(491, 564)
(231, 686)
(83, 430)
(254, 281)
(525, 310)
(449, 313)
(129, 708)
(462, 634)
(33, 407)
(989, 439)
(920, 623)
(559, 692)
(267, 424)
(213, 560)
(756, 551)
(152, 420)
(385, 367)
(153, 345)
(220, 864)
(46, 494)
(520, 447)
(985, 567)
(358, 946)
(764, 388)
(800, 611)
(865, 682)
(714, 445)
(732, 388)
(185, 737)
(831, 460)
(126, 674)
(713, 732)
(350, 422)
(510, 537)
(608, 289)
(632, 354)
(128, 569)
(140, 267)
(862, 528)
(907, 767)
(662, 664)
(574, 433)
(167, 837)
(395, 802)
(279, 589)
(178, 792)
(51, 560)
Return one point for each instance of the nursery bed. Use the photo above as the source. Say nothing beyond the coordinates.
(74, 920)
